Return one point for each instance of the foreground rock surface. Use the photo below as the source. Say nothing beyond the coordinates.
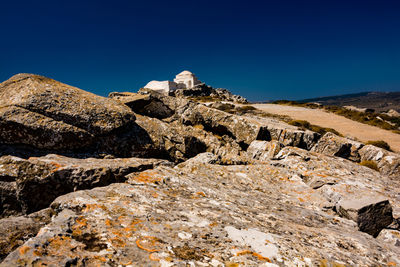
(208, 214)
(28, 185)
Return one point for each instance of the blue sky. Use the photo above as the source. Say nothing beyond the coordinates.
(282, 49)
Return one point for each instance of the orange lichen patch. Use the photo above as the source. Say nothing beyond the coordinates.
(58, 242)
(202, 194)
(81, 221)
(391, 263)
(118, 242)
(153, 257)
(154, 194)
(56, 165)
(37, 253)
(90, 207)
(300, 199)
(100, 258)
(149, 243)
(147, 177)
(22, 250)
(248, 252)
(213, 224)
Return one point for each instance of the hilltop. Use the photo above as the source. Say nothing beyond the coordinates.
(160, 179)
(378, 101)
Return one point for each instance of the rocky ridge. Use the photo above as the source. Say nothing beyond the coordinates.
(153, 180)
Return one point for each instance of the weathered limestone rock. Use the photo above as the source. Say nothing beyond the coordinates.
(390, 236)
(45, 114)
(178, 142)
(30, 185)
(243, 130)
(202, 215)
(290, 136)
(61, 102)
(263, 150)
(144, 104)
(333, 145)
(15, 231)
(388, 162)
(371, 213)
(216, 208)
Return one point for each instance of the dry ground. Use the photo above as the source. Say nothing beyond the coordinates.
(347, 127)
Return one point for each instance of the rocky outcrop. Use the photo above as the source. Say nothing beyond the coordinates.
(264, 150)
(236, 189)
(45, 114)
(150, 104)
(179, 142)
(333, 145)
(371, 214)
(28, 185)
(388, 162)
(15, 231)
(244, 131)
(209, 214)
(203, 90)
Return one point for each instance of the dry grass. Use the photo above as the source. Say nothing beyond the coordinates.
(370, 164)
(380, 143)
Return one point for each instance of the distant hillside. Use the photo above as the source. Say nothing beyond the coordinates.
(379, 101)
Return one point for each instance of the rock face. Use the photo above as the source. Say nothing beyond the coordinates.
(331, 144)
(209, 214)
(224, 189)
(15, 231)
(145, 104)
(264, 150)
(30, 185)
(42, 113)
(371, 214)
(388, 162)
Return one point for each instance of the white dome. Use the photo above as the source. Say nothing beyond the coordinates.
(185, 72)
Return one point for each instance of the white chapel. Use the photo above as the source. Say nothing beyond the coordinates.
(183, 80)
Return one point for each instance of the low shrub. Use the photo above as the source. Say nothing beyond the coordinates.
(315, 128)
(370, 164)
(245, 108)
(381, 144)
(300, 123)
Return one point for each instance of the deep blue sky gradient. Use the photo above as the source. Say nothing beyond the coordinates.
(282, 49)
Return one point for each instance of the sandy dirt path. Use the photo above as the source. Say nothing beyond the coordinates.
(347, 127)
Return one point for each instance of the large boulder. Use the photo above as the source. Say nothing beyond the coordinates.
(28, 185)
(333, 145)
(178, 142)
(264, 150)
(243, 130)
(246, 129)
(144, 104)
(371, 213)
(42, 113)
(387, 162)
